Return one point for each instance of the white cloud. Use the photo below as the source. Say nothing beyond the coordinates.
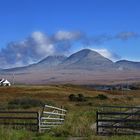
(126, 35)
(106, 53)
(43, 43)
(66, 35)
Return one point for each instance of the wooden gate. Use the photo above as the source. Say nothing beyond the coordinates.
(51, 116)
(111, 120)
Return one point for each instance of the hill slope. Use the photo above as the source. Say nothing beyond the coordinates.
(128, 65)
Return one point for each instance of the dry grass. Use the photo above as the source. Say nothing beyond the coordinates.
(55, 93)
(59, 95)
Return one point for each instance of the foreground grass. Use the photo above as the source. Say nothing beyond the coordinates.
(9, 134)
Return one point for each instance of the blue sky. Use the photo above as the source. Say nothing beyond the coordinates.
(111, 27)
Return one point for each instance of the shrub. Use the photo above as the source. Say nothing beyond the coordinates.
(90, 104)
(101, 97)
(129, 98)
(79, 97)
(134, 87)
(25, 103)
(72, 97)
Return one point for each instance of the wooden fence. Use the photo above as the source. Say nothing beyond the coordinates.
(50, 117)
(20, 119)
(112, 120)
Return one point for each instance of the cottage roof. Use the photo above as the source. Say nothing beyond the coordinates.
(6, 82)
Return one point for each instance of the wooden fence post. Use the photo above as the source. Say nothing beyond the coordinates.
(38, 122)
(97, 129)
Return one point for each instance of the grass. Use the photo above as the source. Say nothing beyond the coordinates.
(80, 116)
(9, 134)
(24, 103)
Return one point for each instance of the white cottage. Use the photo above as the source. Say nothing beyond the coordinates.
(4, 82)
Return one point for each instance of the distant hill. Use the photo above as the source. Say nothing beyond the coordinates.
(83, 67)
(128, 65)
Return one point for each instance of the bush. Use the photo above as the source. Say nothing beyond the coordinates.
(25, 103)
(79, 97)
(72, 97)
(101, 97)
(134, 87)
(90, 104)
(129, 98)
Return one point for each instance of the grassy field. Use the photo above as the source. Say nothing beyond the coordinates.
(81, 114)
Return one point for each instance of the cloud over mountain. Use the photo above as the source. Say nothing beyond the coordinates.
(106, 53)
(39, 45)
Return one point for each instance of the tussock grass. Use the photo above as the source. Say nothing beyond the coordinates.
(77, 124)
(10, 134)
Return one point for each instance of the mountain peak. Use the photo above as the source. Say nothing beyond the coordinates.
(85, 50)
(53, 58)
(87, 59)
(84, 53)
(50, 61)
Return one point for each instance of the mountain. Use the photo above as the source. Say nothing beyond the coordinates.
(84, 59)
(83, 67)
(87, 59)
(128, 65)
(48, 62)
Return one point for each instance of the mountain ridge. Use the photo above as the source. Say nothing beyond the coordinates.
(83, 67)
(126, 64)
(84, 58)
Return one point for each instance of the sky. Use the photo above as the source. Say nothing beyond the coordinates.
(30, 30)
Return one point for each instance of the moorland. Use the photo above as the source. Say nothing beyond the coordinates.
(81, 113)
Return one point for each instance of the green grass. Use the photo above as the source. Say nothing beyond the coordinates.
(10, 134)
